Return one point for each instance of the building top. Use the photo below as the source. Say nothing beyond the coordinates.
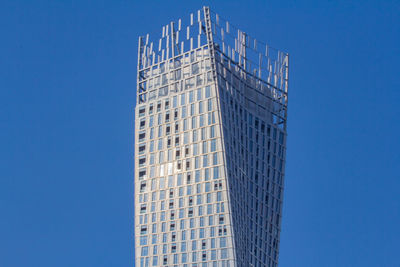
(254, 56)
(263, 68)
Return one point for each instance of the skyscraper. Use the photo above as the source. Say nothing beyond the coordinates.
(210, 146)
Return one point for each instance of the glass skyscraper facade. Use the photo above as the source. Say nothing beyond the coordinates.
(210, 145)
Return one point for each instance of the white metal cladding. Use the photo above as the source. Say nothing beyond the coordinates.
(210, 146)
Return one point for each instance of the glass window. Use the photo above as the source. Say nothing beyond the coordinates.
(191, 96)
(208, 91)
(155, 260)
(142, 149)
(160, 131)
(194, 122)
(186, 138)
(192, 111)
(205, 160)
(163, 91)
(142, 123)
(179, 179)
(186, 72)
(207, 174)
(195, 68)
(193, 236)
(162, 194)
(162, 182)
(142, 136)
(207, 64)
(143, 240)
(199, 94)
(213, 254)
(142, 174)
(151, 121)
(209, 209)
(208, 198)
(142, 161)
(189, 83)
(215, 158)
(224, 253)
(201, 118)
(178, 74)
(184, 112)
(199, 80)
(145, 251)
(170, 181)
(194, 135)
(160, 144)
(212, 131)
(213, 145)
(183, 246)
(161, 157)
(197, 178)
(195, 149)
(170, 155)
(183, 99)
(205, 150)
(201, 232)
(207, 187)
(222, 242)
(142, 111)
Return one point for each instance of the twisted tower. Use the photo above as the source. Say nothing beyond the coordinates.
(210, 146)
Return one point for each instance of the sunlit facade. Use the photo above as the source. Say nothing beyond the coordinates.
(210, 143)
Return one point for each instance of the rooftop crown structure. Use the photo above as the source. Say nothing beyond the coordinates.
(210, 146)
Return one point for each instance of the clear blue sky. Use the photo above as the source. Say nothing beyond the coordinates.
(67, 94)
